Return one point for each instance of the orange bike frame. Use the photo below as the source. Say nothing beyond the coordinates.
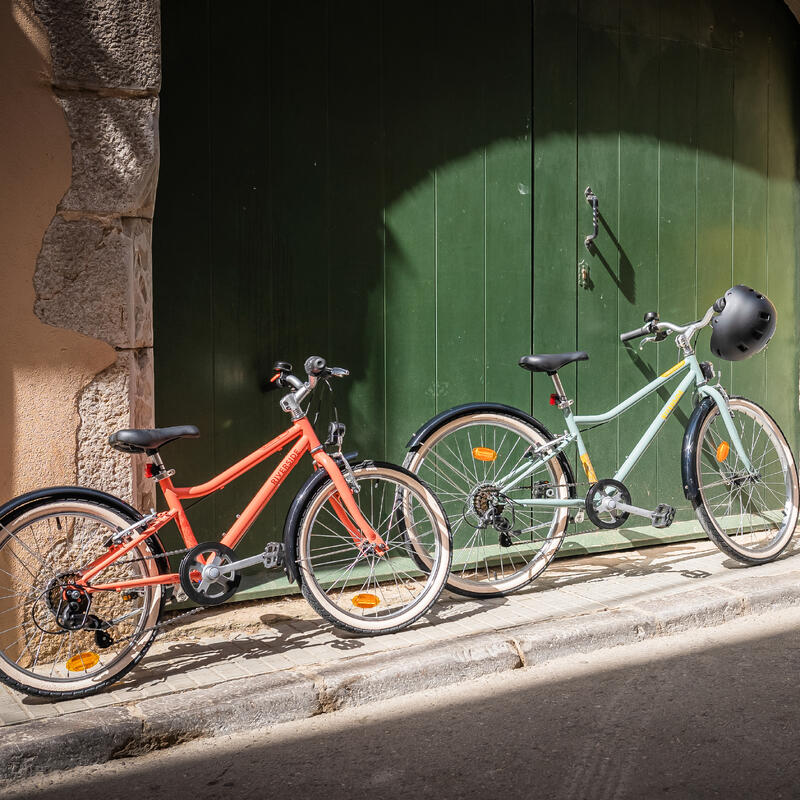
(302, 431)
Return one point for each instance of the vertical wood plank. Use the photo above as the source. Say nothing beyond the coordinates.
(750, 152)
(355, 291)
(300, 181)
(555, 86)
(182, 269)
(782, 203)
(410, 112)
(714, 186)
(598, 167)
(240, 256)
(638, 244)
(509, 268)
(460, 209)
(677, 239)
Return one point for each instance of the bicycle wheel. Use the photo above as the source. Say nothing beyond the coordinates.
(751, 516)
(499, 543)
(351, 585)
(57, 640)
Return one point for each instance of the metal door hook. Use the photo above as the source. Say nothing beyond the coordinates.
(591, 198)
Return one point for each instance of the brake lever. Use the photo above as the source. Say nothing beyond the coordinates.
(658, 337)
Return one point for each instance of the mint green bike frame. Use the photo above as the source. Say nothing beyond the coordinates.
(546, 451)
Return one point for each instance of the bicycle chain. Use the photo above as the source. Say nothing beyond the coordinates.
(165, 623)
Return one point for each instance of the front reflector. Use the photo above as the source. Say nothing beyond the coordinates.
(484, 454)
(82, 662)
(723, 449)
(364, 600)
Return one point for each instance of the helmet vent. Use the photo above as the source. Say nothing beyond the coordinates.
(765, 315)
(742, 347)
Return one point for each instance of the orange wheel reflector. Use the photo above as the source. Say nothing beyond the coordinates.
(82, 662)
(722, 451)
(484, 454)
(365, 600)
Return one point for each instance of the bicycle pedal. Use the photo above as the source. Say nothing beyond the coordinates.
(663, 516)
(273, 555)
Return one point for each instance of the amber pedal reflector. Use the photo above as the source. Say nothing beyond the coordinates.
(723, 449)
(82, 662)
(484, 454)
(365, 600)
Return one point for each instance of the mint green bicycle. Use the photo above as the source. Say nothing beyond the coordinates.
(508, 488)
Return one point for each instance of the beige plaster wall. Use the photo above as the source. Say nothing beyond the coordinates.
(43, 369)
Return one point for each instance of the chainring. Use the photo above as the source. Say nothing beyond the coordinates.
(611, 518)
(212, 588)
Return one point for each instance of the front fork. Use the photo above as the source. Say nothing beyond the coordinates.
(721, 401)
(344, 503)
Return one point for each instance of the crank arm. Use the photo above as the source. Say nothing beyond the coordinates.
(609, 504)
(271, 557)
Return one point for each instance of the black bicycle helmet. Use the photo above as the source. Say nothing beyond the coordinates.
(744, 325)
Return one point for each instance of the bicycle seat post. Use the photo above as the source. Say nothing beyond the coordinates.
(563, 401)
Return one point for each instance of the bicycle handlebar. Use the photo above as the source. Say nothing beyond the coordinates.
(316, 368)
(643, 331)
(654, 326)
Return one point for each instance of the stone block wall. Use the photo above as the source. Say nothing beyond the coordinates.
(94, 272)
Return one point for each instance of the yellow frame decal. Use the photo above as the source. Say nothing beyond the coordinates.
(673, 370)
(671, 405)
(588, 468)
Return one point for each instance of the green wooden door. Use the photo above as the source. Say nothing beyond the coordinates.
(399, 187)
(680, 116)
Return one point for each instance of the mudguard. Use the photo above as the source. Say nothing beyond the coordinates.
(689, 450)
(293, 518)
(470, 408)
(17, 505)
(315, 480)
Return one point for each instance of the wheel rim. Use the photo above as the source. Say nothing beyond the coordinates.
(451, 461)
(39, 554)
(756, 512)
(355, 584)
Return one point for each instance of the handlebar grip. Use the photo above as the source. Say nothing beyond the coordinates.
(315, 365)
(643, 331)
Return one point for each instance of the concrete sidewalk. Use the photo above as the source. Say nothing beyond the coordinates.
(249, 666)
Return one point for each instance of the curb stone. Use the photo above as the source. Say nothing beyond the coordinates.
(93, 737)
(69, 741)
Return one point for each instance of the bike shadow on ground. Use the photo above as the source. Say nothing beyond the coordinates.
(281, 634)
(594, 569)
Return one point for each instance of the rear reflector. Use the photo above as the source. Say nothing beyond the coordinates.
(484, 454)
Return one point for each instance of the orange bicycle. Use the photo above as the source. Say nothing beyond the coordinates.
(84, 576)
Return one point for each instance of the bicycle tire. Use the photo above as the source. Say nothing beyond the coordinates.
(334, 586)
(479, 569)
(83, 524)
(772, 496)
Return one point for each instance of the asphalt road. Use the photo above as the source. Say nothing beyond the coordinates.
(709, 714)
